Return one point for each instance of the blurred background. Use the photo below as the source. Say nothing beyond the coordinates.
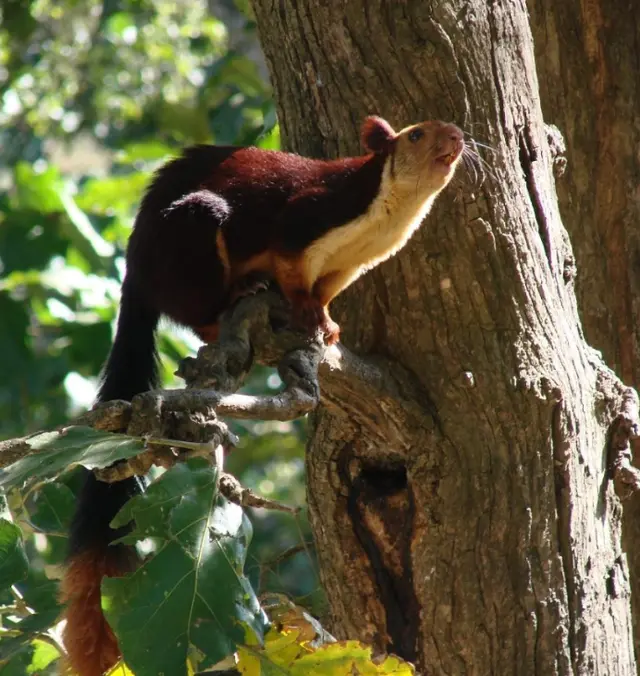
(94, 95)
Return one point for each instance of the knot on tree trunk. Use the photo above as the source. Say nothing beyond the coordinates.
(625, 429)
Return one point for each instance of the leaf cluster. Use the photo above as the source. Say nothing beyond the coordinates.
(93, 97)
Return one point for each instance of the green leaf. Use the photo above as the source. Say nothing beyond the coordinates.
(119, 22)
(187, 122)
(38, 190)
(60, 450)
(116, 194)
(43, 655)
(270, 140)
(17, 19)
(83, 235)
(236, 70)
(13, 559)
(16, 662)
(13, 339)
(26, 629)
(192, 593)
(145, 151)
(41, 595)
(28, 238)
(51, 508)
(83, 341)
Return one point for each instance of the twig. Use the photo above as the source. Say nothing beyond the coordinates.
(286, 554)
(52, 640)
(12, 450)
(233, 490)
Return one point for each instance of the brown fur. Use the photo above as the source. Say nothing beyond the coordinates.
(211, 224)
(209, 333)
(91, 645)
(312, 225)
(408, 187)
(409, 184)
(223, 255)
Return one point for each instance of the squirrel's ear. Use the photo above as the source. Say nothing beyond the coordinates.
(377, 135)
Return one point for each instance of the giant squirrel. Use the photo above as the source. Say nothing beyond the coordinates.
(210, 221)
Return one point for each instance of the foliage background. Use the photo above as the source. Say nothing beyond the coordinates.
(94, 95)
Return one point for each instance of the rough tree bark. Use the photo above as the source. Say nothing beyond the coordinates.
(484, 537)
(587, 57)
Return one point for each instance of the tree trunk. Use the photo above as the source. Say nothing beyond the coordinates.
(480, 532)
(587, 56)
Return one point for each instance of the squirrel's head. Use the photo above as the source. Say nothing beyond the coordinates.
(423, 155)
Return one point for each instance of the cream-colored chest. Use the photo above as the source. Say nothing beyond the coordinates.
(365, 242)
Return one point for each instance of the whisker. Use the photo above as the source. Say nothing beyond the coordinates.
(488, 168)
(471, 164)
(482, 175)
(484, 145)
(467, 132)
(482, 164)
(472, 151)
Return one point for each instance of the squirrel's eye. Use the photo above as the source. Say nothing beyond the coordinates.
(415, 134)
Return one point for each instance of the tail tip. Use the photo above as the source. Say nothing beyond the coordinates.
(91, 645)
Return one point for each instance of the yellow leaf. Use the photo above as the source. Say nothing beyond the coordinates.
(349, 657)
(285, 653)
(120, 669)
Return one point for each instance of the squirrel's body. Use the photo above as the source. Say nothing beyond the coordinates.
(218, 214)
(210, 220)
(205, 224)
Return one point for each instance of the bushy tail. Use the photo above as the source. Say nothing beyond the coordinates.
(131, 368)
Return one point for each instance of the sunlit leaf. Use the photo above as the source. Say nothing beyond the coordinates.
(38, 190)
(44, 653)
(18, 648)
(115, 194)
(120, 669)
(145, 151)
(270, 140)
(54, 452)
(290, 648)
(349, 657)
(285, 653)
(83, 235)
(119, 22)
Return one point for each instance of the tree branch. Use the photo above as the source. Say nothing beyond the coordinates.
(375, 394)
